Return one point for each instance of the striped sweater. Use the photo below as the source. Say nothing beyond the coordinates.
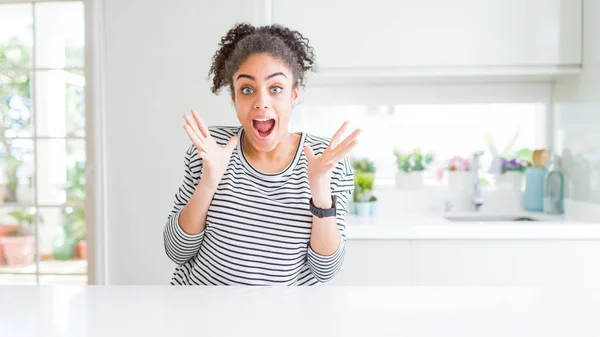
(258, 225)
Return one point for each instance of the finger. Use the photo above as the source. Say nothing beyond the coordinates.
(343, 151)
(192, 124)
(308, 152)
(350, 138)
(201, 124)
(334, 153)
(194, 138)
(338, 134)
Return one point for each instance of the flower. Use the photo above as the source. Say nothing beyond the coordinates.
(458, 163)
(515, 164)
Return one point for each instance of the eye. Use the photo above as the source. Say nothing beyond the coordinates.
(276, 90)
(247, 90)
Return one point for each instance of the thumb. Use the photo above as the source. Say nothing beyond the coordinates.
(308, 152)
(231, 144)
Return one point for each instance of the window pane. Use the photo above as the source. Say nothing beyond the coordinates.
(16, 35)
(17, 239)
(61, 171)
(59, 34)
(443, 130)
(16, 109)
(60, 103)
(62, 240)
(16, 168)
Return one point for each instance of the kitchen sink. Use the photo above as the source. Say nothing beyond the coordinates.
(488, 218)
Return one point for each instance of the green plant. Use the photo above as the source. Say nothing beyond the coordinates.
(25, 217)
(74, 216)
(363, 185)
(15, 109)
(363, 165)
(413, 161)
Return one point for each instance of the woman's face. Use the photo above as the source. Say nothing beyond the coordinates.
(263, 96)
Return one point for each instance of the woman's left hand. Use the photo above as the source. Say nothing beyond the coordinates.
(320, 168)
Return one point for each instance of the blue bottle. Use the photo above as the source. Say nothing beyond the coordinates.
(554, 188)
(533, 197)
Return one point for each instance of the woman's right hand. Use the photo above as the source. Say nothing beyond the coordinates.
(215, 158)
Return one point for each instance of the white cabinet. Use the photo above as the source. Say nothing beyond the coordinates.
(505, 262)
(387, 35)
(471, 263)
(375, 262)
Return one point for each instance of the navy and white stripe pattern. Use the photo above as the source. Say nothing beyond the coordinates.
(258, 225)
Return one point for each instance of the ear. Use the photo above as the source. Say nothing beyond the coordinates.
(295, 95)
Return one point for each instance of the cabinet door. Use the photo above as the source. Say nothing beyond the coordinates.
(375, 263)
(384, 34)
(505, 263)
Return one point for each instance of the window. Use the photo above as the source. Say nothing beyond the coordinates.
(444, 129)
(42, 143)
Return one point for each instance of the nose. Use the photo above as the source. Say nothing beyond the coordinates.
(262, 101)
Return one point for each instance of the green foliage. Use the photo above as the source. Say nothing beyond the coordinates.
(25, 218)
(364, 177)
(74, 216)
(15, 109)
(363, 165)
(413, 161)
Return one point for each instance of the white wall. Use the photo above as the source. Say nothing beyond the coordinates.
(157, 59)
(577, 122)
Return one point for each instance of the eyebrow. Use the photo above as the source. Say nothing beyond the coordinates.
(268, 77)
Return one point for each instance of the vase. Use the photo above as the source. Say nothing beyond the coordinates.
(373, 208)
(459, 180)
(511, 180)
(19, 250)
(363, 208)
(409, 181)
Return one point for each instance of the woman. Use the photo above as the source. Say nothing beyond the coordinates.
(260, 205)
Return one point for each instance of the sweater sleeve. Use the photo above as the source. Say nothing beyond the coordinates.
(324, 267)
(180, 246)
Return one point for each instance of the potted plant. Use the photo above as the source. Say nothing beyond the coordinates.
(410, 168)
(364, 201)
(19, 245)
(363, 193)
(513, 170)
(458, 171)
(71, 241)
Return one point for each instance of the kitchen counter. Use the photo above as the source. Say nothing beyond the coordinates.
(116, 311)
(434, 226)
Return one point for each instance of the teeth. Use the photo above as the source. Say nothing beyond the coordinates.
(262, 119)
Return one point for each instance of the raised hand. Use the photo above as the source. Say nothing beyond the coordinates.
(215, 158)
(320, 168)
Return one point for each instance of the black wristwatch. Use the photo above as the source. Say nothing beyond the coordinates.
(322, 213)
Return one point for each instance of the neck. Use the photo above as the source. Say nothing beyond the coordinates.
(287, 144)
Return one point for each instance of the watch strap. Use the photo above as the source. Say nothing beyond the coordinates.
(322, 213)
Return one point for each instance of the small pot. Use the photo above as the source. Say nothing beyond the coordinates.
(4, 231)
(374, 205)
(18, 250)
(82, 249)
(363, 208)
(409, 181)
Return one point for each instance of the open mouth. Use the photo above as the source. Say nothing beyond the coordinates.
(263, 126)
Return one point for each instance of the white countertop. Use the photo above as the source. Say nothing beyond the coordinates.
(116, 311)
(415, 226)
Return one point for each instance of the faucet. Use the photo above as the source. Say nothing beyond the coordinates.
(476, 198)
